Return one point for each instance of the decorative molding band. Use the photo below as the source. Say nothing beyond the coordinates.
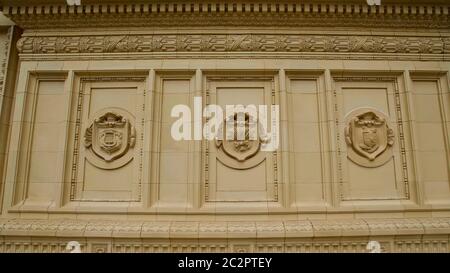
(439, 46)
(400, 244)
(394, 235)
(235, 229)
(82, 92)
(32, 15)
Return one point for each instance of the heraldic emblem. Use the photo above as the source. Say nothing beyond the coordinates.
(242, 148)
(110, 136)
(369, 136)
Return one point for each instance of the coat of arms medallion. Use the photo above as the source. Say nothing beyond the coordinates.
(109, 137)
(369, 137)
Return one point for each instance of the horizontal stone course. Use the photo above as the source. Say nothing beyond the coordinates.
(256, 229)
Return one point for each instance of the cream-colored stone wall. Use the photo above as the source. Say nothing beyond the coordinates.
(364, 131)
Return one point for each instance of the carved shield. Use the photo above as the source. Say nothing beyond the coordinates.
(110, 135)
(370, 140)
(239, 149)
(368, 134)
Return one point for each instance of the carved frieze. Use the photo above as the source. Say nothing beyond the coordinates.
(369, 137)
(232, 43)
(109, 137)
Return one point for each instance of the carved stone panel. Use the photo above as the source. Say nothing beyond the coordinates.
(238, 169)
(373, 165)
(107, 154)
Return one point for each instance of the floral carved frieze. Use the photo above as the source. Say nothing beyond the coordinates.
(109, 137)
(194, 229)
(233, 43)
(369, 137)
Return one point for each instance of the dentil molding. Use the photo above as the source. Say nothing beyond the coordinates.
(400, 14)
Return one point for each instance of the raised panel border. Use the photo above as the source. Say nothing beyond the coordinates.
(324, 133)
(369, 77)
(27, 101)
(72, 175)
(231, 76)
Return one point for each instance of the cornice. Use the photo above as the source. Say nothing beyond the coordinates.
(50, 15)
(235, 229)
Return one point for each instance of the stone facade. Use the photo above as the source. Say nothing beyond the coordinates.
(87, 155)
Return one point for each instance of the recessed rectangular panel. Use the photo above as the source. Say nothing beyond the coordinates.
(110, 153)
(232, 175)
(48, 127)
(372, 167)
(432, 156)
(304, 128)
(174, 154)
